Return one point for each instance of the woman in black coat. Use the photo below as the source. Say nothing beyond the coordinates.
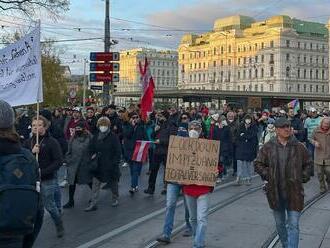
(133, 131)
(105, 147)
(247, 148)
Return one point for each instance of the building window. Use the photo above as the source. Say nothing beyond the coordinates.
(250, 48)
(238, 88)
(250, 73)
(298, 59)
(272, 44)
(262, 72)
(298, 87)
(239, 75)
(256, 59)
(323, 88)
(256, 87)
(298, 73)
(287, 43)
(200, 65)
(305, 87)
(221, 62)
(287, 72)
(239, 49)
(316, 88)
(244, 88)
(244, 60)
(322, 60)
(311, 74)
(271, 60)
(221, 49)
(323, 74)
(261, 87)
(256, 73)
(311, 46)
(214, 51)
(262, 58)
(221, 76)
(204, 66)
(214, 63)
(183, 56)
(256, 46)
(305, 45)
(298, 45)
(323, 47)
(262, 45)
(229, 76)
(272, 71)
(244, 49)
(317, 46)
(305, 59)
(199, 77)
(271, 87)
(239, 61)
(229, 48)
(305, 74)
(250, 60)
(311, 88)
(229, 62)
(244, 74)
(311, 60)
(287, 57)
(317, 60)
(317, 74)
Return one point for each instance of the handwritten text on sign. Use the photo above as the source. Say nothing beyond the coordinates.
(192, 161)
(20, 71)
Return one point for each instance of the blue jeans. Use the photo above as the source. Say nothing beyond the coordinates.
(135, 168)
(48, 189)
(287, 226)
(173, 193)
(58, 195)
(198, 211)
(245, 169)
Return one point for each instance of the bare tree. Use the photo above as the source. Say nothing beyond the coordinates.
(29, 7)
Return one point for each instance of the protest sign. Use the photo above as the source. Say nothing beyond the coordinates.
(192, 161)
(20, 71)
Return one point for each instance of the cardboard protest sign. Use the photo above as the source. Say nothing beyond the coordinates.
(192, 161)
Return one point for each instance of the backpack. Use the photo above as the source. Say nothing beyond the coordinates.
(19, 196)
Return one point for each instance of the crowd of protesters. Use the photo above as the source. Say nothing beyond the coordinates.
(93, 144)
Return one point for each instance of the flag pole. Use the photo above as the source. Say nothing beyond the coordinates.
(38, 106)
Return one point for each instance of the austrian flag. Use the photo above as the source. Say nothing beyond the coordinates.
(140, 153)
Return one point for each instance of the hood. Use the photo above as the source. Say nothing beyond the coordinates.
(9, 147)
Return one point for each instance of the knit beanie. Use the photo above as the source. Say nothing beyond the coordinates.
(7, 116)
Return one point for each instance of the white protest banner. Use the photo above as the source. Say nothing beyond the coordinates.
(20, 71)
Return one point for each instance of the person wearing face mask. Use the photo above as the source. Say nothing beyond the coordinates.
(268, 134)
(247, 147)
(162, 134)
(133, 130)
(77, 159)
(105, 147)
(197, 198)
(233, 125)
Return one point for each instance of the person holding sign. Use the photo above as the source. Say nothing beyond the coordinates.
(197, 198)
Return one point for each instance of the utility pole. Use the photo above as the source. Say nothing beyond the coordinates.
(107, 43)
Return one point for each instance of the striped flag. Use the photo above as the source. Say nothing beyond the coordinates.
(295, 105)
(140, 153)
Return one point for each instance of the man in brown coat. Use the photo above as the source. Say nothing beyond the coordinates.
(283, 163)
(321, 140)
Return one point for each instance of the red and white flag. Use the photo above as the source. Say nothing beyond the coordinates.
(140, 153)
(148, 87)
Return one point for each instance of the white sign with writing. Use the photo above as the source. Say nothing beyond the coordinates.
(20, 71)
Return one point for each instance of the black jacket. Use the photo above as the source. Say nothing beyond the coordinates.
(92, 122)
(131, 135)
(109, 152)
(246, 143)
(163, 135)
(50, 156)
(297, 124)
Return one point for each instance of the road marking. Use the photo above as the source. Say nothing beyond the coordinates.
(137, 222)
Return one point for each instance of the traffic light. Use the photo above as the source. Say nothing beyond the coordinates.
(113, 88)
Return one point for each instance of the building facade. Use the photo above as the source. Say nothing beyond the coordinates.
(280, 54)
(163, 67)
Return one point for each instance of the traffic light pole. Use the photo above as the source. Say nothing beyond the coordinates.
(107, 44)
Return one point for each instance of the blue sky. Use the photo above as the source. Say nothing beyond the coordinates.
(155, 23)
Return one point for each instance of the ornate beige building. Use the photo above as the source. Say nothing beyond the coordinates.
(280, 54)
(163, 67)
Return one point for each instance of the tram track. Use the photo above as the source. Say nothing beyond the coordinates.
(219, 205)
(273, 240)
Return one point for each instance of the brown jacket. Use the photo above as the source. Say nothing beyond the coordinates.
(322, 154)
(297, 167)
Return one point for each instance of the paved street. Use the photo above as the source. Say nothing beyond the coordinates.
(139, 220)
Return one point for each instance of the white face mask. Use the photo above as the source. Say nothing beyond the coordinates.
(103, 129)
(193, 134)
(247, 121)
